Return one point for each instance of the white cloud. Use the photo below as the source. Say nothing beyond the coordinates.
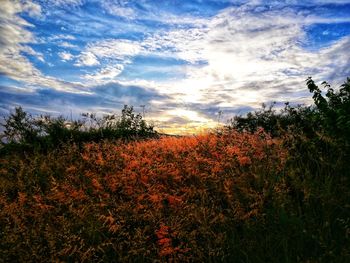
(183, 44)
(15, 36)
(148, 10)
(249, 57)
(61, 37)
(329, 1)
(110, 52)
(28, 50)
(114, 48)
(65, 56)
(67, 45)
(65, 2)
(9, 8)
(105, 74)
(118, 8)
(61, 40)
(87, 59)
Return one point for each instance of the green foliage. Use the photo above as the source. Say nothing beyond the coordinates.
(298, 118)
(20, 127)
(333, 109)
(330, 115)
(22, 130)
(308, 219)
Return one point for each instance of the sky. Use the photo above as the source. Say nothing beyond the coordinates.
(187, 64)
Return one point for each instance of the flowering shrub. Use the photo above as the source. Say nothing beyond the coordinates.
(227, 197)
(175, 199)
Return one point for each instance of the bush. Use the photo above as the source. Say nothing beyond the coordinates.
(22, 130)
(232, 197)
(290, 119)
(179, 199)
(329, 115)
(333, 109)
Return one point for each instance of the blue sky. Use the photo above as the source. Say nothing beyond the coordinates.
(185, 60)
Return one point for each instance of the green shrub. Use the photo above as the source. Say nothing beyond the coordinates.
(333, 109)
(297, 119)
(329, 115)
(23, 131)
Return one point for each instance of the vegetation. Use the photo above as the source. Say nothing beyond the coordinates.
(330, 115)
(270, 187)
(22, 130)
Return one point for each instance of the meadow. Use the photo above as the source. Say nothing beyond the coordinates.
(269, 187)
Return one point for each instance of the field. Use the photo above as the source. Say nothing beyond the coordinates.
(224, 196)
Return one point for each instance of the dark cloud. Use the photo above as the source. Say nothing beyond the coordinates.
(109, 97)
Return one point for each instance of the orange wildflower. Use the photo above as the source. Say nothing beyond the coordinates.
(174, 200)
(166, 251)
(244, 160)
(22, 198)
(96, 184)
(164, 241)
(155, 198)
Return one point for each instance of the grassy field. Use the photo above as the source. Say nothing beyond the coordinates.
(220, 197)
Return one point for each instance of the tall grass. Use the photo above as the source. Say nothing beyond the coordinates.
(228, 197)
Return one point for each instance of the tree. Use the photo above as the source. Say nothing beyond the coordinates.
(330, 113)
(334, 108)
(20, 127)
